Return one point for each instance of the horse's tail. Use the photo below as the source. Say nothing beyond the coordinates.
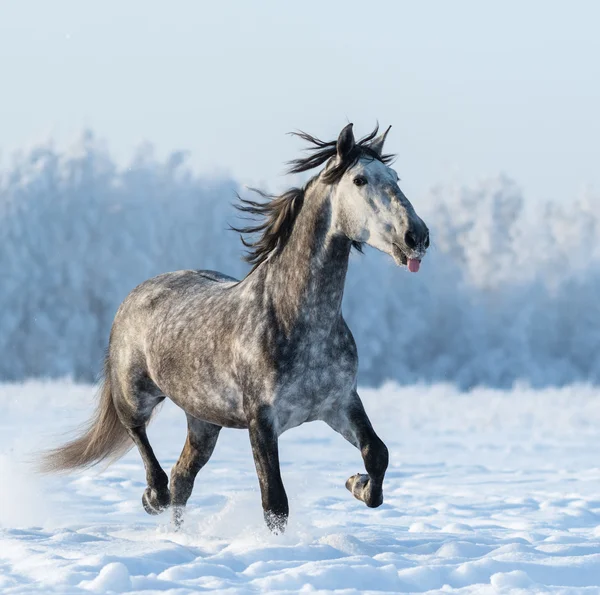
(103, 437)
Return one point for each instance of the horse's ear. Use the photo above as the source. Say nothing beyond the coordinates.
(345, 142)
(377, 144)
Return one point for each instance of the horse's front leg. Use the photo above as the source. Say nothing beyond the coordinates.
(265, 449)
(349, 418)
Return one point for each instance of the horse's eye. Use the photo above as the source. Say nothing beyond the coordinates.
(360, 180)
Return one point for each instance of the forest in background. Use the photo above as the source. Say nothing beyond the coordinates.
(508, 292)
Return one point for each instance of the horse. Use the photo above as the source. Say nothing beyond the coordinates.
(267, 353)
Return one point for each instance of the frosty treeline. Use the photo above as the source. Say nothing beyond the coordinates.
(508, 292)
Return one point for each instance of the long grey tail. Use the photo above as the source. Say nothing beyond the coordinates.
(103, 437)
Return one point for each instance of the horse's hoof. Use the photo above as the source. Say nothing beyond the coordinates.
(155, 502)
(360, 487)
(356, 485)
(276, 523)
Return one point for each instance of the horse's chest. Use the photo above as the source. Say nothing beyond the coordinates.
(309, 384)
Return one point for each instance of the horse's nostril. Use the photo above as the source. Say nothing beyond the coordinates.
(410, 240)
(426, 242)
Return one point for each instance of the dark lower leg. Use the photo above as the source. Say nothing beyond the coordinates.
(156, 496)
(266, 457)
(369, 488)
(352, 422)
(198, 448)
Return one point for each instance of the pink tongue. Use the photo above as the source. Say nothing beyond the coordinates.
(413, 265)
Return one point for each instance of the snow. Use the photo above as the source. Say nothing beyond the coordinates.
(488, 492)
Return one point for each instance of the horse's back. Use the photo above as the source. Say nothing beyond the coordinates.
(216, 276)
(183, 280)
(163, 301)
(173, 286)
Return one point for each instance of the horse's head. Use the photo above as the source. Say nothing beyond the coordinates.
(368, 205)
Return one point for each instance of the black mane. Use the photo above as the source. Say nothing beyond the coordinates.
(322, 151)
(278, 214)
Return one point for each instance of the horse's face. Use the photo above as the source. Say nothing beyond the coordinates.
(371, 208)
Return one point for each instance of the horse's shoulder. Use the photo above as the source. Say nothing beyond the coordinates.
(345, 339)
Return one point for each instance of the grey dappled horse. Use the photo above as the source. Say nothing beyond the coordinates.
(267, 353)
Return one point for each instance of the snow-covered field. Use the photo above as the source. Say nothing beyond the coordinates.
(487, 492)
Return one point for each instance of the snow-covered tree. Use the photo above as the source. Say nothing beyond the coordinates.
(507, 292)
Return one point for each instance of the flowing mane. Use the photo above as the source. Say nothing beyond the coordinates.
(278, 214)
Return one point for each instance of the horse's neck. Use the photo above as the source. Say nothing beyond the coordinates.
(305, 281)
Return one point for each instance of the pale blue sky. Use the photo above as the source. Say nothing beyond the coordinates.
(472, 88)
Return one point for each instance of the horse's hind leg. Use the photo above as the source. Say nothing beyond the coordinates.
(350, 420)
(134, 407)
(156, 496)
(199, 445)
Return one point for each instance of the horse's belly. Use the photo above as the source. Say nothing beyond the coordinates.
(222, 409)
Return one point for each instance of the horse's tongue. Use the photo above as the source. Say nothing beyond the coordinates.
(413, 265)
